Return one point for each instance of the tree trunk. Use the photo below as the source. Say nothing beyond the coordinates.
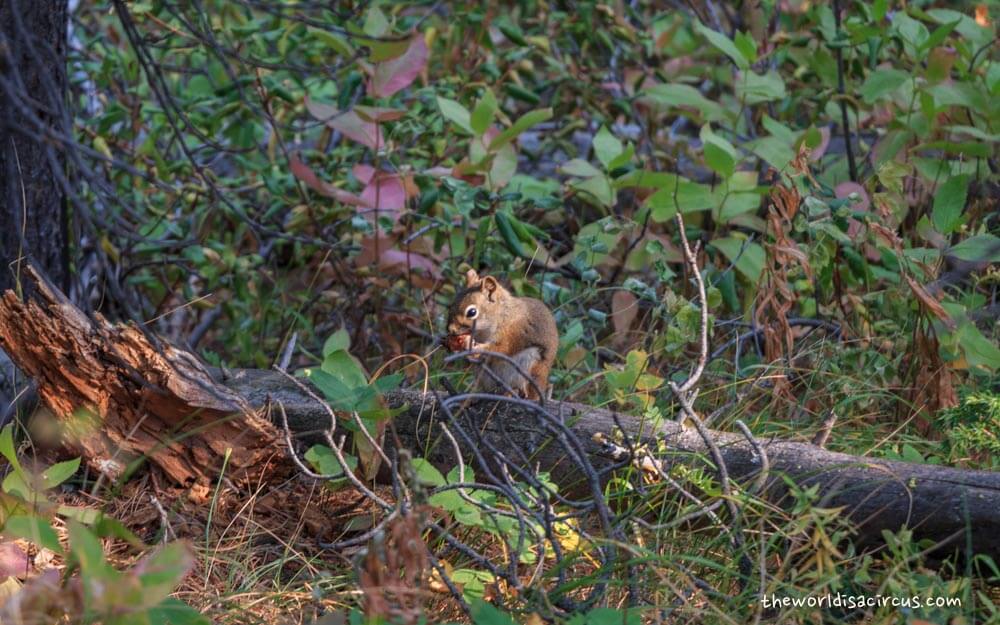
(33, 213)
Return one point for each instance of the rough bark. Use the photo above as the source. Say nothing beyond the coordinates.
(33, 94)
(939, 503)
(157, 400)
(123, 395)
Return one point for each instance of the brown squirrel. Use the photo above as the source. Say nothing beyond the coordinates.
(486, 316)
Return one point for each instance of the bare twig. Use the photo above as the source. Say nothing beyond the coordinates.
(692, 262)
(845, 122)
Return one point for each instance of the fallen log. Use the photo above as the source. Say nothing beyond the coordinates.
(156, 401)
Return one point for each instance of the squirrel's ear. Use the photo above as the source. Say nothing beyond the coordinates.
(471, 278)
(490, 286)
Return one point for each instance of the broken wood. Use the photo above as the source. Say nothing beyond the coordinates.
(121, 394)
(152, 399)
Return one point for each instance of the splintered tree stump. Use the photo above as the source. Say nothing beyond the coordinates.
(144, 398)
(120, 394)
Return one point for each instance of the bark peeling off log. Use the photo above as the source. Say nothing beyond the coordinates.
(145, 396)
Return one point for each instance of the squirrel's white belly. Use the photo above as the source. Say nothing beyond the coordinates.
(509, 376)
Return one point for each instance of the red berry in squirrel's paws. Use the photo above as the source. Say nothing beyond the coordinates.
(458, 342)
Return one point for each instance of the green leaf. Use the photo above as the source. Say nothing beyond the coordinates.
(387, 383)
(473, 582)
(720, 155)
(345, 367)
(949, 202)
(779, 130)
(342, 394)
(623, 158)
(485, 614)
(938, 36)
(597, 189)
(777, 152)
(463, 511)
(691, 197)
(746, 45)
(911, 31)
(520, 93)
(503, 167)
(89, 553)
(972, 131)
(337, 43)
(510, 30)
(81, 514)
(724, 44)
(454, 476)
(747, 256)
(161, 572)
(882, 82)
(524, 122)
(977, 249)
(172, 611)
(734, 199)
(979, 351)
(966, 26)
(482, 115)
(968, 148)
(456, 113)
(33, 529)
(7, 447)
(956, 93)
(376, 24)
(754, 88)
(108, 527)
(909, 453)
(338, 341)
(580, 167)
(427, 473)
(606, 146)
(593, 244)
(673, 95)
(59, 473)
(324, 461)
(16, 483)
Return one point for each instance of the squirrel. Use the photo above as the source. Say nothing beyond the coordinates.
(485, 316)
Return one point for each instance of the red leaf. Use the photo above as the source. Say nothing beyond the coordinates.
(357, 129)
(624, 310)
(361, 129)
(378, 113)
(392, 260)
(364, 173)
(844, 189)
(398, 73)
(304, 173)
(386, 193)
(322, 112)
(13, 561)
(397, 259)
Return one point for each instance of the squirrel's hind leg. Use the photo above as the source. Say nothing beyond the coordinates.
(539, 372)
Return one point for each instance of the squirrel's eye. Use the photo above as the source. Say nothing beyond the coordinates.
(471, 312)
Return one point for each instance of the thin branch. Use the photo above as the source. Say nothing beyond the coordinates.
(845, 124)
